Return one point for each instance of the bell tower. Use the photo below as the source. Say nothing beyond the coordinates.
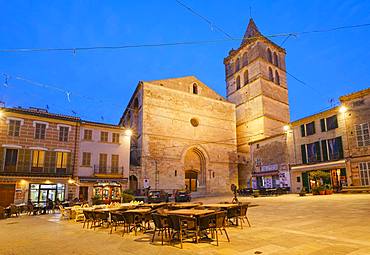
(256, 83)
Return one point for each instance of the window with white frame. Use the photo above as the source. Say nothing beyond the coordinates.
(365, 173)
(40, 129)
(14, 127)
(63, 133)
(86, 158)
(362, 134)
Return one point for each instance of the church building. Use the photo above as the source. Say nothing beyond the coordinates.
(186, 136)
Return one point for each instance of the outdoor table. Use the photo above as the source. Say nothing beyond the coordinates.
(222, 206)
(190, 212)
(142, 212)
(184, 205)
(139, 210)
(153, 206)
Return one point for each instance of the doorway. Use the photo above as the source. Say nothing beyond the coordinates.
(83, 193)
(133, 183)
(191, 180)
(7, 192)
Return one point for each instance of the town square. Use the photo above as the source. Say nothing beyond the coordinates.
(185, 127)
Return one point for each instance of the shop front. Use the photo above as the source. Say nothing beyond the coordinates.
(335, 175)
(39, 192)
(38, 189)
(271, 177)
(101, 191)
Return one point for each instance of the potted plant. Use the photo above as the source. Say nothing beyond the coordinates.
(303, 192)
(126, 197)
(328, 190)
(315, 191)
(96, 199)
(322, 190)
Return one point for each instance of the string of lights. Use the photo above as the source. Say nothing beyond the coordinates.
(151, 45)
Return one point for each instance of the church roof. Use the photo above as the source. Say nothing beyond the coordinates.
(183, 84)
(251, 32)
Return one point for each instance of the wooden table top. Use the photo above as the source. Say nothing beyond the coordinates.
(154, 205)
(220, 205)
(190, 212)
(185, 205)
(139, 210)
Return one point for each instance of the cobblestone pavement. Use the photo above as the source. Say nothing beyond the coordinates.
(288, 224)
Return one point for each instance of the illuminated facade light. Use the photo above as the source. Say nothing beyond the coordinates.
(342, 109)
(128, 132)
(286, 128)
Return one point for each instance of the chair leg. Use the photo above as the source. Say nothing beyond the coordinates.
(162, 236)
(180, 238)
(154, 234)
(228, 239)
(248, 221)
(241, 223)
(217, 237)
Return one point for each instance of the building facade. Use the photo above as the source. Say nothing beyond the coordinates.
(256, 83)
(103, 162)
(357, 121)
(38, 155)
(183, 137)
(319, 143)
(270, 159)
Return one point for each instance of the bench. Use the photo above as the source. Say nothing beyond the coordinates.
(356, 189)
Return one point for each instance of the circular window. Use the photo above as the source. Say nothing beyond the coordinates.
(194, 122)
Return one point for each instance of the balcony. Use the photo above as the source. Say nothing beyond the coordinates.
(27, 170)
(105, 171)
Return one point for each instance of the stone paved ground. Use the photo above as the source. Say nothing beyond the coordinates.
(337, 224)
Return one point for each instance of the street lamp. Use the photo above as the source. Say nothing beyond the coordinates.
(286, 128)
(342, 109)
(128, 132)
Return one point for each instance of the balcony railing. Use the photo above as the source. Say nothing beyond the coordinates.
(28, 169)
(108, 170)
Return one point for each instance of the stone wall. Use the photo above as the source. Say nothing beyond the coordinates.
(168, 134)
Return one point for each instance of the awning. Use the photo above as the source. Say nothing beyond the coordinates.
(265, 173)
(103, 180)
(320, 166)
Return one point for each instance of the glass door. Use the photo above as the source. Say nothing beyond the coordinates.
(42, 196)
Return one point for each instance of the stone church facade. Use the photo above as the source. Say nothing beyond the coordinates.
(185, 135)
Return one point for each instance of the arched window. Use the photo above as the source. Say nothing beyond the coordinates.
(269, 55)
(245, 59)
(237, 65)
(277, 77)
(276, 59)
(246, 77)
(195, 89)
(237, 82)
(271, 74)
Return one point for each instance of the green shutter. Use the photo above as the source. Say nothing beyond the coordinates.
(318, 151)
(314, 128)
(303, 133)
(340, 146)
(324, 150)
(69, 163)
(306, 181)
(336, 121)
(20, 161)
(322, 124)
(303, 150)
(47, 162)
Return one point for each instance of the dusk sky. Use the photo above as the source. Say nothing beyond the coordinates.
(101, 82)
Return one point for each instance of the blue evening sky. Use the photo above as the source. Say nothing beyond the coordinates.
(332, 64)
